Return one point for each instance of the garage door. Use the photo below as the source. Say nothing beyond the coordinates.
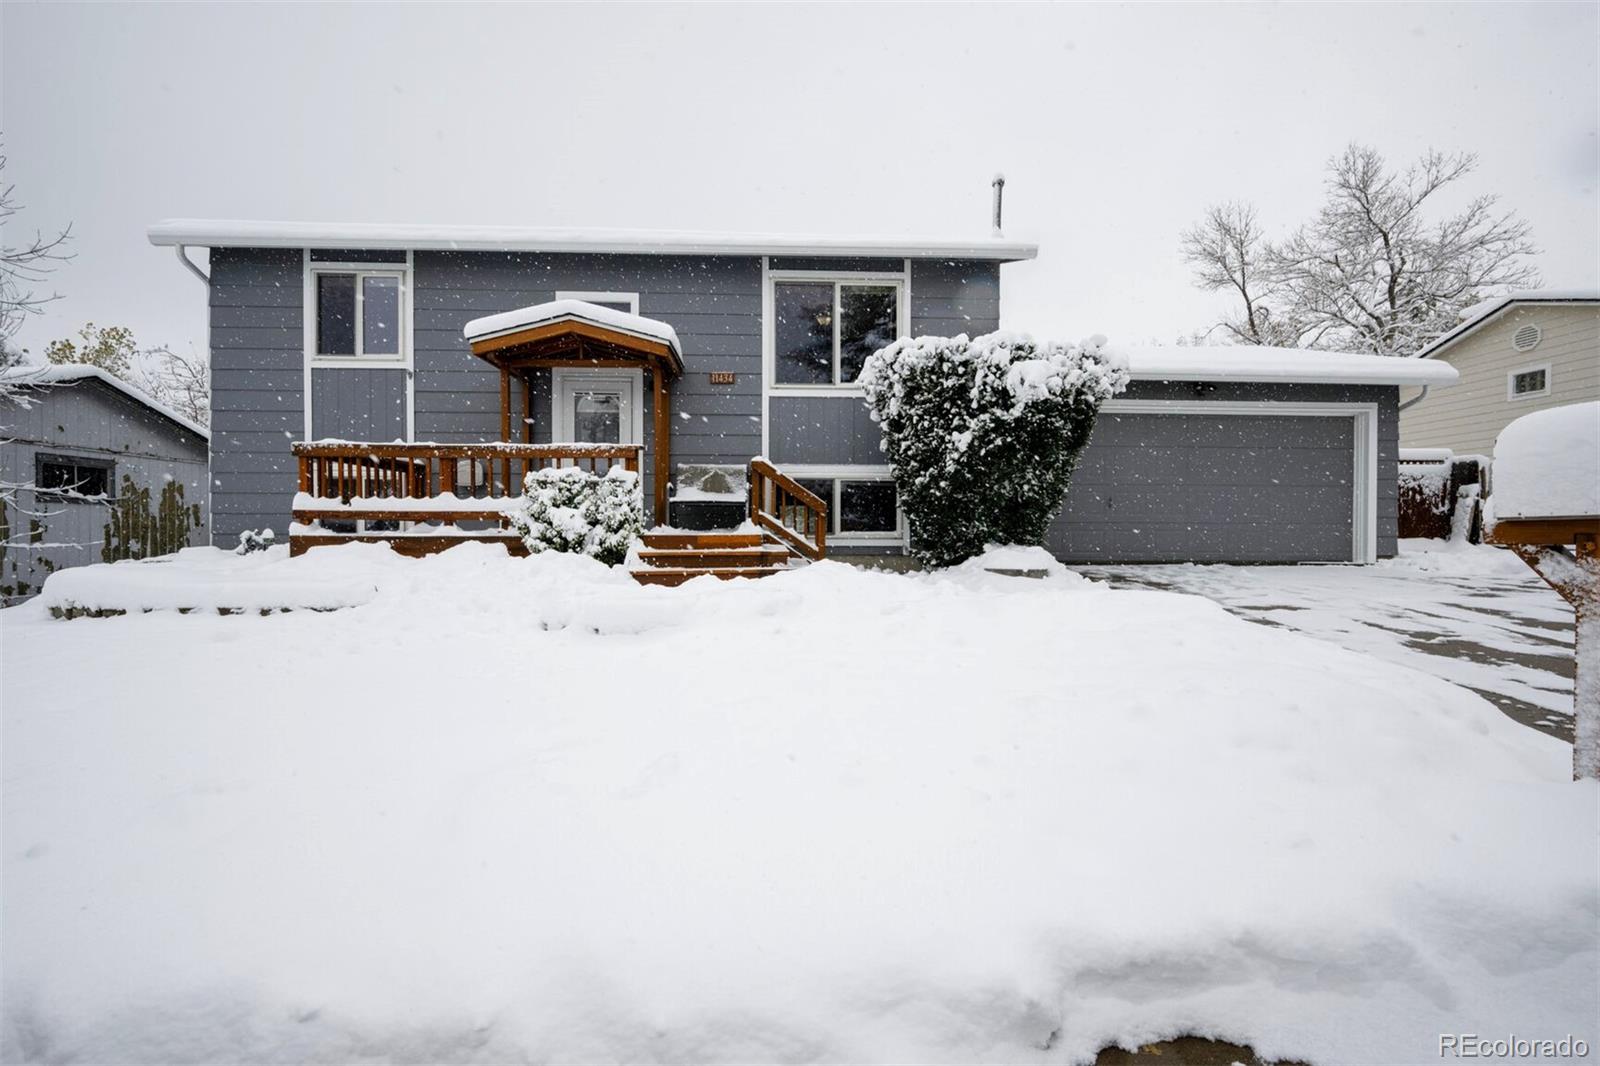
(1246, 484)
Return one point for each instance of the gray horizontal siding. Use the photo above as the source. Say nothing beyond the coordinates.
(257, 387)
(954, 296)
(823, 429)
(358, 404)
(713, 303)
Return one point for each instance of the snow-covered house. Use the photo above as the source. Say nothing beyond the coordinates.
(91, 470)
(1517, 354)
(355, 365)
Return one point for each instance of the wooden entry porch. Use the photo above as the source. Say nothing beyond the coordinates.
(423, 498)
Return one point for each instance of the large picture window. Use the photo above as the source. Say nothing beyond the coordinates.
(359, 313)
(823, 331)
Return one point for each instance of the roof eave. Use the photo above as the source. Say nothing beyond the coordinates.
(1445, 341)
(218, 235)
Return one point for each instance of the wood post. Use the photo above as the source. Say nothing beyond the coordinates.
(1576, 577)
(663, 434)
(505, 405)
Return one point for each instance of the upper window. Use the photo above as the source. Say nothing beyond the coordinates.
(617, 301)
(68, 476)
(358, 313)
(824, 330)
(1524, 384)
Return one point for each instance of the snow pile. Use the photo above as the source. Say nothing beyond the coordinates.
(1030, 560)
(527, 810)
(210, 579)
(1547, 464)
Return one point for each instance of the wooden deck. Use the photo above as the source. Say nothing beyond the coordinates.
(425, 498)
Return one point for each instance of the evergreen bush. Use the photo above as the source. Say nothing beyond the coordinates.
(982, 435)
(567, 509)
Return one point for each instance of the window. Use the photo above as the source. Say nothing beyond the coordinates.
(864, 507)
(823, 331)
(617, 301)
(358, 313)
(71, 477)
(1528, 382)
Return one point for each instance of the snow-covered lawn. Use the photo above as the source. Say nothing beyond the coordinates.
(529, 810)
(1471, 614)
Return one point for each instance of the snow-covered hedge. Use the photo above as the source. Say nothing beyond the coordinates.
(982, 434)
(567, 509)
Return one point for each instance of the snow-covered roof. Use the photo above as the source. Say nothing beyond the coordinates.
(1481, 312)
(1247, 362)
(572, 310)
(69, 373)
(243, 233)
(1547, 464)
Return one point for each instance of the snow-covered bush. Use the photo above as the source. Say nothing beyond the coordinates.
(982, 434)
(567, 509)
(253, 541)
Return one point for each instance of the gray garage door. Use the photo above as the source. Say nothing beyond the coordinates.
(1211, 488)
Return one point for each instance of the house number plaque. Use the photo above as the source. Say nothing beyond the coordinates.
(722, 377)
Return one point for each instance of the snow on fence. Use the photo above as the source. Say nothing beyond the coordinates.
(1439, 493)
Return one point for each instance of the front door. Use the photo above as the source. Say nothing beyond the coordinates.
(597, 406)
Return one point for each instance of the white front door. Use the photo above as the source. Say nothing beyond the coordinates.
(597, 406)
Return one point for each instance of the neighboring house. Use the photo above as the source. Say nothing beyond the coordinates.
(92, 470)
(1516, 354)
(696, 353)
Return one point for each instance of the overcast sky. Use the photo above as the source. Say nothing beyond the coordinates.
(1115, 126)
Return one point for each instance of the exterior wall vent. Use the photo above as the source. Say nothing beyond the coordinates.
(1526, 338)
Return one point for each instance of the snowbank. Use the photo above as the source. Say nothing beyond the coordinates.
(214, 579)
(1547, 464)
(525, 809)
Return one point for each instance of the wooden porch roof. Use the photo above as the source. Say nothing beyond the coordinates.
(573, 333)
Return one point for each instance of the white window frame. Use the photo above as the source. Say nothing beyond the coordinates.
(629, 298)
(563, 376)
(900, 281)
(1364, 417)
(1513, 396)
(310, 361)
(318, 360)
(899, 538)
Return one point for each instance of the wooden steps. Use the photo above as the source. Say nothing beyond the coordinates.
(673, 558)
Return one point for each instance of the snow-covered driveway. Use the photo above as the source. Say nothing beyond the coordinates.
(506, 810)
(1473, 615)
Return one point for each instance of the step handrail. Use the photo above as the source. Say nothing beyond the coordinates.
(788, 510)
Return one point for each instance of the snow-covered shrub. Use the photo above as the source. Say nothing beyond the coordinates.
(982, 434)
(255, 541)
(567, 509)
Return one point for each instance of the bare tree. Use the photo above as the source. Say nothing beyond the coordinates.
(24, 266)
(182, 382)
(1229, 251)
(1371, 272)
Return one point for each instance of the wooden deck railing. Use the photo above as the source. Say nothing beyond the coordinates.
(389, 482)
(788, 510)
